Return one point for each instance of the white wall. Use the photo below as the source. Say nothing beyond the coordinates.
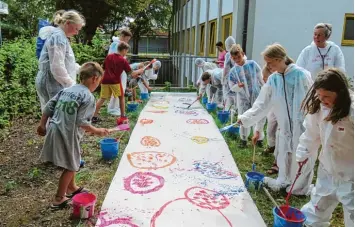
(292, 25)
(227, 7)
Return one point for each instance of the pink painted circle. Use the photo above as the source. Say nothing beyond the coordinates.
(143, 183)
(206, 198)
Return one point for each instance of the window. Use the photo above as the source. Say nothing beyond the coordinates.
(212, 36)
(226, 27)
(192, 48)
(202, 39)
(348, 30)
(187, 38)
(181, 46)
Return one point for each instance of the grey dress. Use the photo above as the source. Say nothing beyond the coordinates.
(69, 109)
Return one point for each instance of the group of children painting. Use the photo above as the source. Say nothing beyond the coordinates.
(306, 119)
(71, 112)
(303, 116)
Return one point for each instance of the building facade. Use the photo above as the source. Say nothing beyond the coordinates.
(199, 24)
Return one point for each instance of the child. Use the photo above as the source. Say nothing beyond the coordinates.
(271, 129)
(111, 83)
(204, 66)
(143, 82)
(211, 83)
(283, 92)
(329, 124)
(245, 80)
(70, 112)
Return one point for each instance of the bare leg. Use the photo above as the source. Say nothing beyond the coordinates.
(99, 104)
(64, 181)
(122, 105)
(72, 187)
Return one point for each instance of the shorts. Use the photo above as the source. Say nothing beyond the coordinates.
(107, 90)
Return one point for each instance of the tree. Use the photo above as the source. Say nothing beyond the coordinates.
(155, 16)
(101, 12)
(23, 17)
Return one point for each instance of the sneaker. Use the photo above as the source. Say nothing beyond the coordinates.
(122, 120)
(243, 144)
(259, 143)
(95, 120)
(82, 163)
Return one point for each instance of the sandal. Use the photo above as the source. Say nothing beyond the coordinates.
(273, 170)
(269, 150)
(60, 206)
(79, 190)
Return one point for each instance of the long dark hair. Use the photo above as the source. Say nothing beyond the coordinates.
(331, 80)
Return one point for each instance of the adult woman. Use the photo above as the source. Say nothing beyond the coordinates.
(57, 66)
(221, 54)
(321, 54)
(284, 91)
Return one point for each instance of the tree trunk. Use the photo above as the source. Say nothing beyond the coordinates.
(136, 44)
(169, 35)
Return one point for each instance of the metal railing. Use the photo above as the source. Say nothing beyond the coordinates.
(178, 70)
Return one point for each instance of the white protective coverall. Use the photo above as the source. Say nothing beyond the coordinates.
(57, 66)
(295, 83)
(335, 180)
(250, 75)
(114, 106)
(149, 75)
(216, 76)
(204, 66)
(312, 58)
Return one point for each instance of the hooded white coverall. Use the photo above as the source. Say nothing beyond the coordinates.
(57, 66)
(283, 93)
(149, 75)
(216, 75)
(335, 180)
(312, 58)
(201, 64)
(250, 75)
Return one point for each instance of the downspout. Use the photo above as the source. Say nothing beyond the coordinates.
(245, 26)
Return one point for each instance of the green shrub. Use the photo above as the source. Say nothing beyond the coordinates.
(18, 70)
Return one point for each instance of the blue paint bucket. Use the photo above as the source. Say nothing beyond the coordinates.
(223, 116)
(144, 96)
(254, 180)
(234, 130)
(204, 100)
(211, 107)
(131, 107)
(109, 148)
(295, 217)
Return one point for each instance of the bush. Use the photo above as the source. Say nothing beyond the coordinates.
(18, 70)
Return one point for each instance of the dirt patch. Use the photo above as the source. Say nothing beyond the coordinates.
(27, 186)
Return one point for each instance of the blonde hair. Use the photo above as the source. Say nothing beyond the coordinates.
(72, 16)
(235, 49)
(89, 70)
(55, 16)
(327, 29)
(276, 51)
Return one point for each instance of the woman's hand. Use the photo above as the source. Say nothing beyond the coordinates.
(41, 130)
(255, 137)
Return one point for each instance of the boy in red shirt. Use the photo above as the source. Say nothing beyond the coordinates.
(111, 84)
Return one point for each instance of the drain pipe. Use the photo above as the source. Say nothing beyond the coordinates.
(245, 26)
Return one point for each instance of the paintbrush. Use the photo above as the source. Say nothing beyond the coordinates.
(253, 167)
(192, 104)
(274, 202)
(226, 128)
(119, 138)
